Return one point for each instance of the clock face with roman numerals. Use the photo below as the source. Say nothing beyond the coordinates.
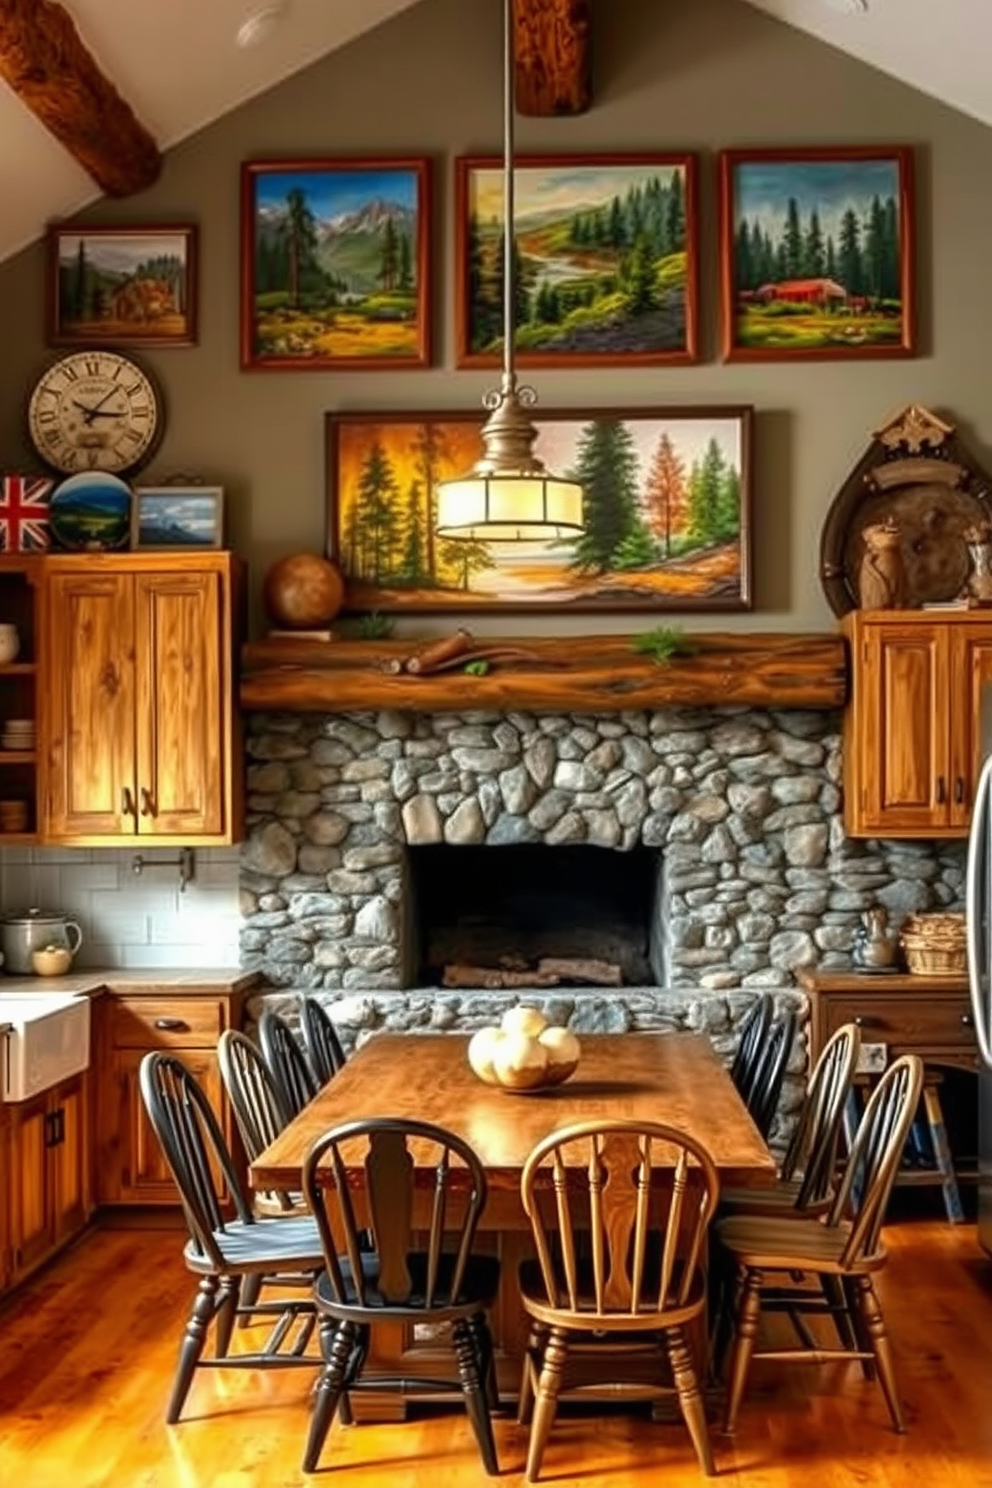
(95, 410)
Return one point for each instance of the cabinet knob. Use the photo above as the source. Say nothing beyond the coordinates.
(967, 1020)
(147, 804)
(862, 1021)
(172, 1025)
(127, 802)
(941, 790)
(959, 790)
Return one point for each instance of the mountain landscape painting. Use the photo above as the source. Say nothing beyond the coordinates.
(665, 521)
(605, 260)
(817, 253)
(335, 264)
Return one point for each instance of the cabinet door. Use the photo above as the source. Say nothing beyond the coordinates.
(902, 773)
(971, 672)
(89, 764)
(31, 1137)
(69, 1158)
(140, 1173)
(180, 741)
(6, 1194)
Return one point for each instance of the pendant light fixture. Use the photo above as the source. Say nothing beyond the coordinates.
(508, 495)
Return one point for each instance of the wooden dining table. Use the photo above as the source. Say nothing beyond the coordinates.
(675, 1078)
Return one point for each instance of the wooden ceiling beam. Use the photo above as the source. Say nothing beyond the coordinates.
(46, 63)
(552, 47)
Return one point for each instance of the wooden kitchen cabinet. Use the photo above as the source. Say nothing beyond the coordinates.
(912, 725)
(19, 603)
(130, 1168)
(50, 1195)
(139, 719)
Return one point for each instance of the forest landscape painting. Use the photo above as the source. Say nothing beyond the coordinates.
(111, 285)
(334, 264)
(605, 266)
(817, 253)
(666, 513)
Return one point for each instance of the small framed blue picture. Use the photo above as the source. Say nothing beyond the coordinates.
(177, 517)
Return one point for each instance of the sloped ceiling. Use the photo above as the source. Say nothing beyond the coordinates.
(179, 67)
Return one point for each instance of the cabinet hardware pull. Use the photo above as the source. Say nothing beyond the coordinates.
(127, 802)
(147, 804)
(50, 1137)
(959, 790)
(966, 1019)
(941, 790)
(172, 1025)
(862, 1021)
(59, 1126)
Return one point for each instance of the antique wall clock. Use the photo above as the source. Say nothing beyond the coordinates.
(95, 410)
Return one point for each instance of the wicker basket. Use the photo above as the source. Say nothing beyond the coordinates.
(934, 944)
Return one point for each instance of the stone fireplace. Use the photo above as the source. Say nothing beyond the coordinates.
(715, 834)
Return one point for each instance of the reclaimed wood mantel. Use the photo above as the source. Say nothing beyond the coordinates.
(593, 674)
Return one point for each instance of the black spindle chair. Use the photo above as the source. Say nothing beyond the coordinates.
(287, 1063)
(323, 1046)
(751, 1040)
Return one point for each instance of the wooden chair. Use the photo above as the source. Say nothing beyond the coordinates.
(287, 1064)
(221, 1250)
(323, 1046)
(775, 1258)
(423, 1275)
(258, 1108)
(806, 1177)
(753, 1032)
(772, 1061)
(620, 1233)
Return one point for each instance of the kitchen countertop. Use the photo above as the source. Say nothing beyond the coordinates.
(135, 983)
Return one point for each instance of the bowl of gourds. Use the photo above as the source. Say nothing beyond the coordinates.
(524, 1052)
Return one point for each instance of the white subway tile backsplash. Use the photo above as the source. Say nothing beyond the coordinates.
(128, 919)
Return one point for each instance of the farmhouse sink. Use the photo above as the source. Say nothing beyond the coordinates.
(47, 1039)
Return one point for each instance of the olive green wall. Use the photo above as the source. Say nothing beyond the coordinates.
(670, 75)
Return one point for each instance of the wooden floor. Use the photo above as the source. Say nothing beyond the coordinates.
(87, 1353)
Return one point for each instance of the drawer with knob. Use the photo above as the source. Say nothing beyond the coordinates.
(908, 1014)
(168, 1023)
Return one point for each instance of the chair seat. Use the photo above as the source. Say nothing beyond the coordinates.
(479, 1286)
(770, 1244)
(292, 1244)
(535, 1300)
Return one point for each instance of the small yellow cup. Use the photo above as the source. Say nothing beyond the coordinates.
(51, 960)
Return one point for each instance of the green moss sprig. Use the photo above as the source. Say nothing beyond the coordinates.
(663, 644)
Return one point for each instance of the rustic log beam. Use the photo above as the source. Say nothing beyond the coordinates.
(45, 62)
(583, 673)
(552, 48)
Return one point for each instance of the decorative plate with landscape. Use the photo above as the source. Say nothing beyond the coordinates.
(666, 513)
(91, 512)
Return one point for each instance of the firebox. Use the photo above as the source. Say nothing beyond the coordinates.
(535, 915)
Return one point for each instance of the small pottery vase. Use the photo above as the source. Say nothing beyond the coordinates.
(876, 946)
(10, 643)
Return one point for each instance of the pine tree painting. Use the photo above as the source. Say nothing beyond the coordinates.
(604, 264)
(817, 249)
(665, 521)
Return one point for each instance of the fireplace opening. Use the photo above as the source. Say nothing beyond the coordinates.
(535, 915)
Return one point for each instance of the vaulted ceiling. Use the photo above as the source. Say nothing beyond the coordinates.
(80, 75)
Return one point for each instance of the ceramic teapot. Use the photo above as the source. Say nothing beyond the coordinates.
(876, 946)
(29, 930)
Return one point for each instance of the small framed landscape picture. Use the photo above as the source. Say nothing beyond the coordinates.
(817, 253)
(605, 268)
(177, 517)
(335, 268)
(122, 286)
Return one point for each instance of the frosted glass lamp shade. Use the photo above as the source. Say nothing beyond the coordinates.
(531, 507)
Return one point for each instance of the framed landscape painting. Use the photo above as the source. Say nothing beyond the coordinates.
(665, 521)
(121, 286)
(606, 260)
(335, 264)
(817, 253)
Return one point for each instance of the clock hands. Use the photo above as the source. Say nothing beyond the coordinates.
(96, 410)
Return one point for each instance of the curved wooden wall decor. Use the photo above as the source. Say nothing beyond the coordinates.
(552, 46)
(46, 63)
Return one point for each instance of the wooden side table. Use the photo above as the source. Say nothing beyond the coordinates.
(902, 1013)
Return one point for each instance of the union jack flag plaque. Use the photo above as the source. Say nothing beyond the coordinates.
(24, 513)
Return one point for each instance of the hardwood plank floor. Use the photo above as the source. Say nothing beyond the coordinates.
(87, 1353)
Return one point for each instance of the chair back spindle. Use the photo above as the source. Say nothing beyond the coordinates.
(875, 1155)
(286, 1062)
(324, 1049)
(751, 1041)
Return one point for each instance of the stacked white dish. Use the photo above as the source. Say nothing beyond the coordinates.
(17, 734)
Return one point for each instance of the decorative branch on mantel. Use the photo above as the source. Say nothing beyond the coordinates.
(596, 674)
(45, 62)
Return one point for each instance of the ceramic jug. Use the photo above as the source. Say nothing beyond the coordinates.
(10, 642)
(876, 946)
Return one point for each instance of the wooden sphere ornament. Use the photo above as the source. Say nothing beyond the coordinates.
(303, 592)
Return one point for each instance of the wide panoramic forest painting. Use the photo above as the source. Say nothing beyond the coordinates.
(335, 268)
(665, 521)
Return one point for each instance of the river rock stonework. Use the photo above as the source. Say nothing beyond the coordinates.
(758, 876)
